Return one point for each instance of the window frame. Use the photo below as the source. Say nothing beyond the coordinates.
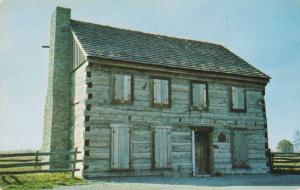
(191, 95)
(116, 101)
(244, 110)
(169, 92)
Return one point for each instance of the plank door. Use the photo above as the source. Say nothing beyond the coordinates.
(202, 153)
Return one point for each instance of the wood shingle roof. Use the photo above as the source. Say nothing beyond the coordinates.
(127, 45)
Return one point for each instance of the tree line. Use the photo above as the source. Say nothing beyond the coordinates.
(287, 146)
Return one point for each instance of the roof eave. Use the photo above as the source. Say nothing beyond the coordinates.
(213, 74)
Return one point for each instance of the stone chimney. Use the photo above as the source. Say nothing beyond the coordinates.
(57, 109)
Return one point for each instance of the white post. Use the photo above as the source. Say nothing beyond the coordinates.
(193, 152)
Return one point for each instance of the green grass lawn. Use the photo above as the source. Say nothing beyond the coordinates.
(35, 181)
(41, 181)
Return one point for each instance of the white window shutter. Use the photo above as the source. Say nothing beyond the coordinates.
(120, 145)
(158, 148)
(119, 86)
(127, 87)
(196, 98)
(115, 148)
(157, 91)
(162, 147)
(202, 96)
(165, 91)
(124, 147)
(234, 97)
(241, 98)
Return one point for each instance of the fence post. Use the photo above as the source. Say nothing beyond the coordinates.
(36, 159)
(74, 162)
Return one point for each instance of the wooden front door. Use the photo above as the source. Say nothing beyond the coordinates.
(202, 153)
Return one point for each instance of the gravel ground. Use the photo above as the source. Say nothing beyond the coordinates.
(257, 182)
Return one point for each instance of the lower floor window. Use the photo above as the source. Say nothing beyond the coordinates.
(120, 146)
(239, 148)
(161, 146)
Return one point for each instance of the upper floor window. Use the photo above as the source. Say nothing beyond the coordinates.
(123, 88)
(199, 96)
(161, 92)
(238, 99)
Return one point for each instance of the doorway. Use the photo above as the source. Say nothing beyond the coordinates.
(203, 151)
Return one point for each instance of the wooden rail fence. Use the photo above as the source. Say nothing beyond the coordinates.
(29, 163)
(285, 163)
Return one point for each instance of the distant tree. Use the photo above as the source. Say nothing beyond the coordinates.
(285, 146)
(297, 140)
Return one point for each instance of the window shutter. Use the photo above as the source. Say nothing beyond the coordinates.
(202, 96)
(115, 148)
(196, 96)
(165, 91)
(162, 146)
(119, 87)
(241, 98)
(120, 147)
(124, 147)
(127, 87)
(156, 91)
(158, 148)
(239, 148)
(234, 97)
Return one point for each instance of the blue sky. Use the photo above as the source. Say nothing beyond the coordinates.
(266, 33)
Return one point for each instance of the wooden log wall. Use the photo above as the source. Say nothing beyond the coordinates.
(142, 116)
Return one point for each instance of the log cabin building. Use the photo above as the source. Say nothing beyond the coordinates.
(140, 104)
